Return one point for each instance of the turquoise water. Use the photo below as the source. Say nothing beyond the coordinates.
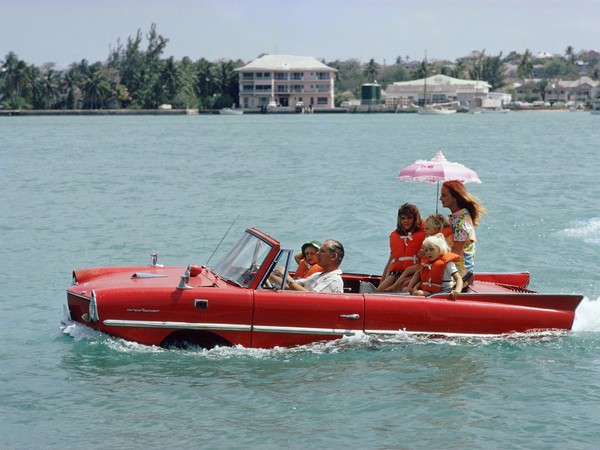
(91, 191)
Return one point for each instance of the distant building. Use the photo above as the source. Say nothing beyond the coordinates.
(582, 90)
(285, 80)
(436, 89)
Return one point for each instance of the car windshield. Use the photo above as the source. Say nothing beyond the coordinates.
(241, 264)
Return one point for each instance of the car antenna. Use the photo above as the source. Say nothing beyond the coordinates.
(219, 244)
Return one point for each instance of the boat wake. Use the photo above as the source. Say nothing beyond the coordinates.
(587, 231)
(359, 341)
(587, 316)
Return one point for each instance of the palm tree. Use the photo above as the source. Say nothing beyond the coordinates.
(227, 78)
(17, 77)
(70, 82)
(570, 55)
(170, 79)
(370, 71)
(50, 83)
(95, 88)
(205, 79)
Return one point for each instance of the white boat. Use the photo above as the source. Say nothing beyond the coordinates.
(436, 109)
(231, 112)
(494, 110)
(431, 111)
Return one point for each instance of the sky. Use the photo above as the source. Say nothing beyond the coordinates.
(67, 31)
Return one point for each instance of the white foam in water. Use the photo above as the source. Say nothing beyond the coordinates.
(587, 231)
(78, 331)
(587, 316)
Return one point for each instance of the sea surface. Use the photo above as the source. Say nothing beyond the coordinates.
(80, 192)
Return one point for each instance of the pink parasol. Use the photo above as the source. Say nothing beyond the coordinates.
(436, 170)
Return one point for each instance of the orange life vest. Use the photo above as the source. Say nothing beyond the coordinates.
(447, 232)
(433, 272)
(404, 250)
(304, 270)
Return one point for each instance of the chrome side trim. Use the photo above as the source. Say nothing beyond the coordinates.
(227, 327)
(180, 325)
(93, 309)
(304, 330)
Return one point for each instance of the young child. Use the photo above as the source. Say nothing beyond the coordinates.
(434, 224)
(438, 271)
(307, 260)
(405, 243)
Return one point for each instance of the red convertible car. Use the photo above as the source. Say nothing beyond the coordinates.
(234, 303)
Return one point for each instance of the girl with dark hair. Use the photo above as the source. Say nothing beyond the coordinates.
(405, 243)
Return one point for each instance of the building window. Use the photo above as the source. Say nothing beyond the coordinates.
(247, 76)
(323, 76)
(322, 101)
(297, 75)
(281, 76)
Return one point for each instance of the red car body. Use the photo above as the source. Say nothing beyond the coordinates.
(234, 304)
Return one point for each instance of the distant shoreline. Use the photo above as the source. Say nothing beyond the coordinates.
(176, 112)
(144, 112)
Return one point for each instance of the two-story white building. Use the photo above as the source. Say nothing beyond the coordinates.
(285, 80)
(582, 90)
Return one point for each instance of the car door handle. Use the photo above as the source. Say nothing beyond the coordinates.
(350, 316)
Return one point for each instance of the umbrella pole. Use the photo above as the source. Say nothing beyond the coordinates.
(437, 198)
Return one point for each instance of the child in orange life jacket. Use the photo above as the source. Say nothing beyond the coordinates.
(438, 271)
(434, 224)
(405, 243)
(307, 260)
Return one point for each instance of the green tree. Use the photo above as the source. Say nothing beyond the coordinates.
(350, 75)
(494, 71)
(50, 85)
(17, 81)
(227, 79)
(555, 68)
(370, 71)
(139, 69)
(458, 71)
(570, 55)
(423, 71)
(525, 67)
(96, 87)
(540, 88)
(168, 82)
(205, 83)
(69, 82)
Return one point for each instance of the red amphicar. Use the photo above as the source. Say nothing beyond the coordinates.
(234, 303)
